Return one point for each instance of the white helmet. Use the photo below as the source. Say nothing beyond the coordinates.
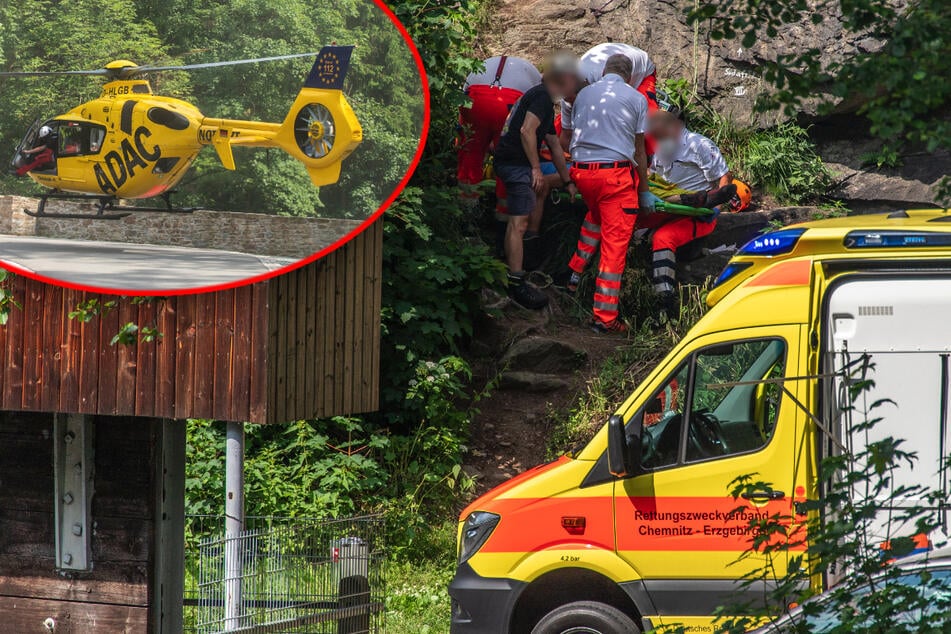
(45, 131)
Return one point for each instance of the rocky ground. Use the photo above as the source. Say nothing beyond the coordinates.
(540, 361)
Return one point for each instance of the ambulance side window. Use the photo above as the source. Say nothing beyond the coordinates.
(734, 405)
(663, 420)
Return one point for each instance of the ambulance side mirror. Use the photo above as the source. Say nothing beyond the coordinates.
(623, 451)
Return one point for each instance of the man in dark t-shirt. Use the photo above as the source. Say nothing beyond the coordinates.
(518, 165)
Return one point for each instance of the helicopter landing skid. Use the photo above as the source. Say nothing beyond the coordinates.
(106, 208)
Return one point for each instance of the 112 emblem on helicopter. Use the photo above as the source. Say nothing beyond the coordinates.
(130, 143)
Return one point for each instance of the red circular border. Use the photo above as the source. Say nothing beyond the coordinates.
(305, 261)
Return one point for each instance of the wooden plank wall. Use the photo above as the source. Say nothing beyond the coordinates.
(114, 595)
(324, 334)
(301, 345)
(201, 367)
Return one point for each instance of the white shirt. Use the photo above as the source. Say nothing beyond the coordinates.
(696, 166)
(591, 67)
(606, 116)
(518, 74)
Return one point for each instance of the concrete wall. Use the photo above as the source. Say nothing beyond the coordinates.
(259, 234)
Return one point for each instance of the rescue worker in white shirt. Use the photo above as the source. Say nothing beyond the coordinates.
(643, 78)
(695, 167)
(610, 170)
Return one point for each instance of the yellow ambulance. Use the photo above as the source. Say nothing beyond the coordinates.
(638, 529)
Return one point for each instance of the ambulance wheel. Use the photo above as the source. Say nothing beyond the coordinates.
(586, 617)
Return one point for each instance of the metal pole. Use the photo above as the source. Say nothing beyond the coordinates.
(234, 523)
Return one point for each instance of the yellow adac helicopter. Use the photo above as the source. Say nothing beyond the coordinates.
(131, 144)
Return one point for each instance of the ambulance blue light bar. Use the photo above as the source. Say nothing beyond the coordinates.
(773, 243)
(896, 239)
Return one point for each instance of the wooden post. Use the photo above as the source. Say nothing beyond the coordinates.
(168, 583)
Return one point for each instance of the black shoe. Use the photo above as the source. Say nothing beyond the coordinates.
(614, 327)
(697, 199)
(527, 296)
(719, 196)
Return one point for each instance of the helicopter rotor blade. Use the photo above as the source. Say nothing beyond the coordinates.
(102, 72)
(138, 70)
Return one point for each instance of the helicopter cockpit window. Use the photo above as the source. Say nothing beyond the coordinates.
(77, 139)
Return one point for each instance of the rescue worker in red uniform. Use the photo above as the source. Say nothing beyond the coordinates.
(492, 93)
(608, 120)
(695, 166)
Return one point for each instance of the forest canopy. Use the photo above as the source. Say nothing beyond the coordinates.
(383, 86)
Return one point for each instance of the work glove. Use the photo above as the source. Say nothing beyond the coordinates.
(647, 202)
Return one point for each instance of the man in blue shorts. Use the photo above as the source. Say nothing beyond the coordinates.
(518, 164)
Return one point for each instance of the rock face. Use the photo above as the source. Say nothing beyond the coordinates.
(540, 364)
(543, 355)
(532, 382)
(723, 72)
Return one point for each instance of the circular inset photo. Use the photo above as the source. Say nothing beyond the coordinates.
(158, 150)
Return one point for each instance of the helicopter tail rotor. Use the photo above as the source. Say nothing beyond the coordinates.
(321, 129)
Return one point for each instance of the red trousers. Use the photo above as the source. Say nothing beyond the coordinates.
(648, 88)
(670, 232)
(611, 198)
(481, 124)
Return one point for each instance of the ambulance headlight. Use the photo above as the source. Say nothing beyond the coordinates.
(773, 243)
(732, 270)
(475, 531)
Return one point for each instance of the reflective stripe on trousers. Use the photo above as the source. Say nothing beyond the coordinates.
(588, 243)
(664, 273)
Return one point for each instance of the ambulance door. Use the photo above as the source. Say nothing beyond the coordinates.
(893, 331)
(720, 414)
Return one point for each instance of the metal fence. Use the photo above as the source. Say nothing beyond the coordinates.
(287, 575)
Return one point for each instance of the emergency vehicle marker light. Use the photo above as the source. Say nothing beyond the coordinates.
(731, 270)
(893, 239)
(773, 243)
(573, 524)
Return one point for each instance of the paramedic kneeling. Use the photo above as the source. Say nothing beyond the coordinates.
(610, 170)
(700, 177)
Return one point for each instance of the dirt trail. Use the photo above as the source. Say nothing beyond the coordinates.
(511, 432)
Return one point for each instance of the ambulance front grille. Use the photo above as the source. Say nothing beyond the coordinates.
(876, 311)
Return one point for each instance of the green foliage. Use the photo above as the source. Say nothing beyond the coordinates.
(783, 161)
(7, 301)
(885, 156)
(416, 598)
(127, 334)
(346, 466)
(432, 284)
(902, 88)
